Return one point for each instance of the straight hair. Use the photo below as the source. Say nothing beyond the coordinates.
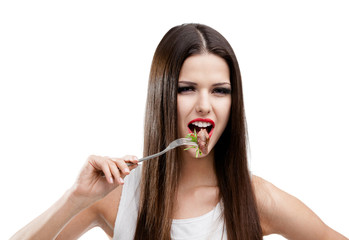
(160, 176)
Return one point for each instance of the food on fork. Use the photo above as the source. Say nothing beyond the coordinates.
(201, 139)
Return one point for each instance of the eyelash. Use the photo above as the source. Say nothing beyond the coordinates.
(222, 90)
(219, 90)
(185, 89)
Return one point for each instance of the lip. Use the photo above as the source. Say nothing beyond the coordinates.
(202, 120)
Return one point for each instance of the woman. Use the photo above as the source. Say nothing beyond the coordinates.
(194, 84)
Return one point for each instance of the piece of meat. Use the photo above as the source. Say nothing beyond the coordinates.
(203, 139)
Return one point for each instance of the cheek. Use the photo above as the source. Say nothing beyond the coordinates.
(227, 110)
(180, 114)
(183, 108)
(224, 110)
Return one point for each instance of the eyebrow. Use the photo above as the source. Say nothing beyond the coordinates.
(215, 85)
(220, 84)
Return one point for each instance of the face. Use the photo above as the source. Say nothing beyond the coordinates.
(203, 99)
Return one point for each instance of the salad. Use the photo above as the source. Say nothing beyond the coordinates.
(201, 139)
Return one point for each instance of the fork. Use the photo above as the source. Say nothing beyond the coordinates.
(176, 143)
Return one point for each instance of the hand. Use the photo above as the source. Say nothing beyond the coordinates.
(99, 176)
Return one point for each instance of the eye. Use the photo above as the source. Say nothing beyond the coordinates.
(221, 91)
(185, 89)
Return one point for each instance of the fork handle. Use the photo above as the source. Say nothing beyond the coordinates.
(151, 156)
(172, 145)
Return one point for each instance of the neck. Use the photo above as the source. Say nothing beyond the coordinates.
(197, 171)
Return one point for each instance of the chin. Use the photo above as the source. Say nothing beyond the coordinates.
(192, 153)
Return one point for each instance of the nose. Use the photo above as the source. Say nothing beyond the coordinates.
(203, 105)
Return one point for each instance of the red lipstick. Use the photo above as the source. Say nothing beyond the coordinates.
(210, 128)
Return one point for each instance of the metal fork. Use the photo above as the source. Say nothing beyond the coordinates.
(176, 143)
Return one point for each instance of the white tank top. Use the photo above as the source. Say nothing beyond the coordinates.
(208, 226)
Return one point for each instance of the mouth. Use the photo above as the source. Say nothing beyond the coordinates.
(200, 123)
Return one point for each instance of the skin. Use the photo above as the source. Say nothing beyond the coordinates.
(93, 199)
(201, 77)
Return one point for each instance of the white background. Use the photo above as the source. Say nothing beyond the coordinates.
(73, 78)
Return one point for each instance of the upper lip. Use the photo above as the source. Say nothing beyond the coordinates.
(203, 120)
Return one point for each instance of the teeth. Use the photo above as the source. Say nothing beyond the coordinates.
(201, 124)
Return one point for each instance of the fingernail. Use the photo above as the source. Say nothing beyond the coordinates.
(111, 180)
(121, 180)
(126, 170)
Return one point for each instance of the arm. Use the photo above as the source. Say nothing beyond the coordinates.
(52, 221)
(78, 209)
(101, 214)
(283, 214)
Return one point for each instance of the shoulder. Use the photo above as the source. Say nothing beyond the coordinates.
(266, 198)
(284, 214)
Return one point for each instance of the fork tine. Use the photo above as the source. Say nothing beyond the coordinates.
(188, 141)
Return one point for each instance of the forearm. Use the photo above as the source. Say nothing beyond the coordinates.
(333, 235)
(52, 221)
(90, 187)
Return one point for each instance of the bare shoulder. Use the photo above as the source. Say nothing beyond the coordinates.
(284, 214)
(264, 192)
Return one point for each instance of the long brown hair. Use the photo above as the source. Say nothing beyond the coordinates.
(160, 176)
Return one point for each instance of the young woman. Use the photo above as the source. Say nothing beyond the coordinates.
(194, 84)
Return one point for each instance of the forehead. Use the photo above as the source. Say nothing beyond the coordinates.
(205, 66)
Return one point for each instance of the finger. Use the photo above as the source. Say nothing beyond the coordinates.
(92, 163)
(131, 159)
(134, 160)
(121, 163)
(116, 173)
(101, 163)
(122, 166)
(133, 166)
